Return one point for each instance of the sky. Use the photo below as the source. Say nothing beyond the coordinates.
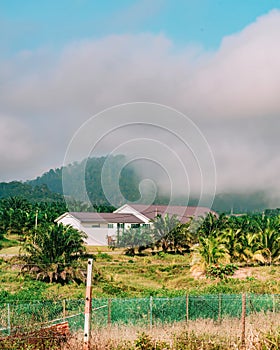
(215, 61)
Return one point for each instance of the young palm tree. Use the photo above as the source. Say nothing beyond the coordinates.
(53, 252)
(268, 241)
(163, 229)
(212, 249)
(232, 240)
(135, 238)
(212, 225)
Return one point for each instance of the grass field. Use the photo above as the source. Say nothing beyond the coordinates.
(116, 274)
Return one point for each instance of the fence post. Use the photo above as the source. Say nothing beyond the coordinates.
(87, 327)
(220, 308)
(109, 310)
(151, 311)
(9, 319)
(243, 322)
(64, 309)
(187, 308)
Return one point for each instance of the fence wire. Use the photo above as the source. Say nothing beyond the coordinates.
(18, 316)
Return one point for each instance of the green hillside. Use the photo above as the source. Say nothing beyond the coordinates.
(35, 193)
(112, 173)
(69, 180)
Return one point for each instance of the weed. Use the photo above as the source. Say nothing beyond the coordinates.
(221, 271)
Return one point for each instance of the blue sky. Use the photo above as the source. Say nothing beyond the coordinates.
(216, 61)
(32, 24)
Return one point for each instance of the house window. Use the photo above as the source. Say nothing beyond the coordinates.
(110, 225)
(135, 225)
(121, 225)
(95, 225)
(146, 225)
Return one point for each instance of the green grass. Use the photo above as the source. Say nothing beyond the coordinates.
(117, 275)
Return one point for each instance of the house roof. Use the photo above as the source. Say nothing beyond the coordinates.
(183, 213)
(106, 217)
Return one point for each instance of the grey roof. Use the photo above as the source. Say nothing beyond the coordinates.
(183, 213)
(106, 217)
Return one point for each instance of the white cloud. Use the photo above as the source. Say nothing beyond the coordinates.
(232, 94)
(242, 79)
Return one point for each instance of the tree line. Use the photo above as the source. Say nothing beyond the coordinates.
(248, 239)
(53, 252)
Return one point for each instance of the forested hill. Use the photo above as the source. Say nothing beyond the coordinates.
(39, 193)
(48, 187)
(92, 171)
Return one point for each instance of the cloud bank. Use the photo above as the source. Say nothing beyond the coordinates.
(232, 94)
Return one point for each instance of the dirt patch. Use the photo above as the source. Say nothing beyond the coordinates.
(242, 272)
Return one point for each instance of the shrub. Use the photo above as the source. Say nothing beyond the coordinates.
(104, 256)
(221, 271)
(145, 342)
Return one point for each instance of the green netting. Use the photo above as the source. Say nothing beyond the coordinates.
(19, 316)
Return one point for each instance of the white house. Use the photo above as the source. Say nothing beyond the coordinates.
(102, 228)
(99, 227)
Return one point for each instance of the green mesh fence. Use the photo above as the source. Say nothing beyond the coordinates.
(20, 316)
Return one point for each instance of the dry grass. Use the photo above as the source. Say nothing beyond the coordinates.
(9, 251)
(199, 334)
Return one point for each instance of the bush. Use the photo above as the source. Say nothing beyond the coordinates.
(145, 342)
(104, 256)
(221, 271)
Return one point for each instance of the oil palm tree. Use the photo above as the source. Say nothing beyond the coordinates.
(53, 252)
(163, 231)
(268, 250)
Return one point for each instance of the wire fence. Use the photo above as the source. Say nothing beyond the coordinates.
(18, 316)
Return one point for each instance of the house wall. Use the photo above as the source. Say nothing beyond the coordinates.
(98, 236)
(95, 235)
(126, 209)
(98, 232)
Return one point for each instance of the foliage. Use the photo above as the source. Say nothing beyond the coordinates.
(135, 238)
(37, 193)
(95, 172)
(238, 239)
(104, 256)
(221, 271)
(145, 342)
(53, 252)
(19, 216)
(210, 250)
(167, 232)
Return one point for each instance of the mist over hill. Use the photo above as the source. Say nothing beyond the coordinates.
(85, 180)
(109, 181)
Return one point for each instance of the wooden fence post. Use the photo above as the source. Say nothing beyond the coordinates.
(109, 311)
(9, 320)
(243, 322)
(151, 311)
(220, 308)
(64, 309)
(187, 308)
(87, 328)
